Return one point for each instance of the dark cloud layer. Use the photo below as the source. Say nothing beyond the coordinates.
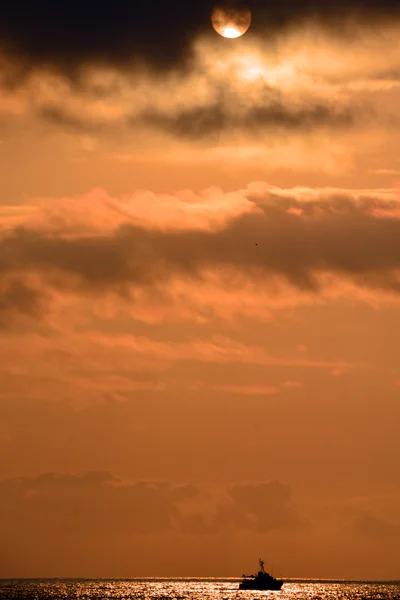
(214, 121)
(70, 32)
(261, 507)
(337, 235)
(92, 522)
(97, 503)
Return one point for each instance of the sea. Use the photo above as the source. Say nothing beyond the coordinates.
(192, 589)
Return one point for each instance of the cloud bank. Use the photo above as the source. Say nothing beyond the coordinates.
(56, 515)
(159, 34)
(301, 238)
(99, 503)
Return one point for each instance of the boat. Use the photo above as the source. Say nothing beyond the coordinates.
(261, 581)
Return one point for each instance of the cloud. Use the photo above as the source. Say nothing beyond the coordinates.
(247, 390)
(159, 34)
(88, 503)
(74, 525)
(16, 297)
(215, 120)
(376, 519)
(376, 528)
(301, 237)
(37, 33)
(306, 83)
(261, 507)
(79, 524)
(97, 503)
(238, 95)
(212, 121)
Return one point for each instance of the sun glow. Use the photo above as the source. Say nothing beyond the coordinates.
(231, 32)
(251, 67)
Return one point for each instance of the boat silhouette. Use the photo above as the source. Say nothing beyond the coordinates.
(261, 581)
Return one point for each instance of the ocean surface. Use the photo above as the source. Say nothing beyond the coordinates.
(190, 589)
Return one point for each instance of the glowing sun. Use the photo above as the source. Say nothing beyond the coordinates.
(231, 19)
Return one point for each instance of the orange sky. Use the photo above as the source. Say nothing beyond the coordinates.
(199, 311)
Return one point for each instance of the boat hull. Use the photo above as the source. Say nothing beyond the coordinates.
(273, 586)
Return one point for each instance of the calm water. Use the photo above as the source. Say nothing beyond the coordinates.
(204, 589)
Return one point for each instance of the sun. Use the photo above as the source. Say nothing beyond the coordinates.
(231, 19)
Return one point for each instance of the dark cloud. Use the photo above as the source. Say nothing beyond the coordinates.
(375, 527)
(229, 110)
(16, 297)
(67, 120)
(71, 32)
(336, 234)
(215, 120)
(261, 507)
(88, 503)
(97, 503)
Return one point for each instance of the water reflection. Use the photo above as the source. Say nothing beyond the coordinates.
(193, 589)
